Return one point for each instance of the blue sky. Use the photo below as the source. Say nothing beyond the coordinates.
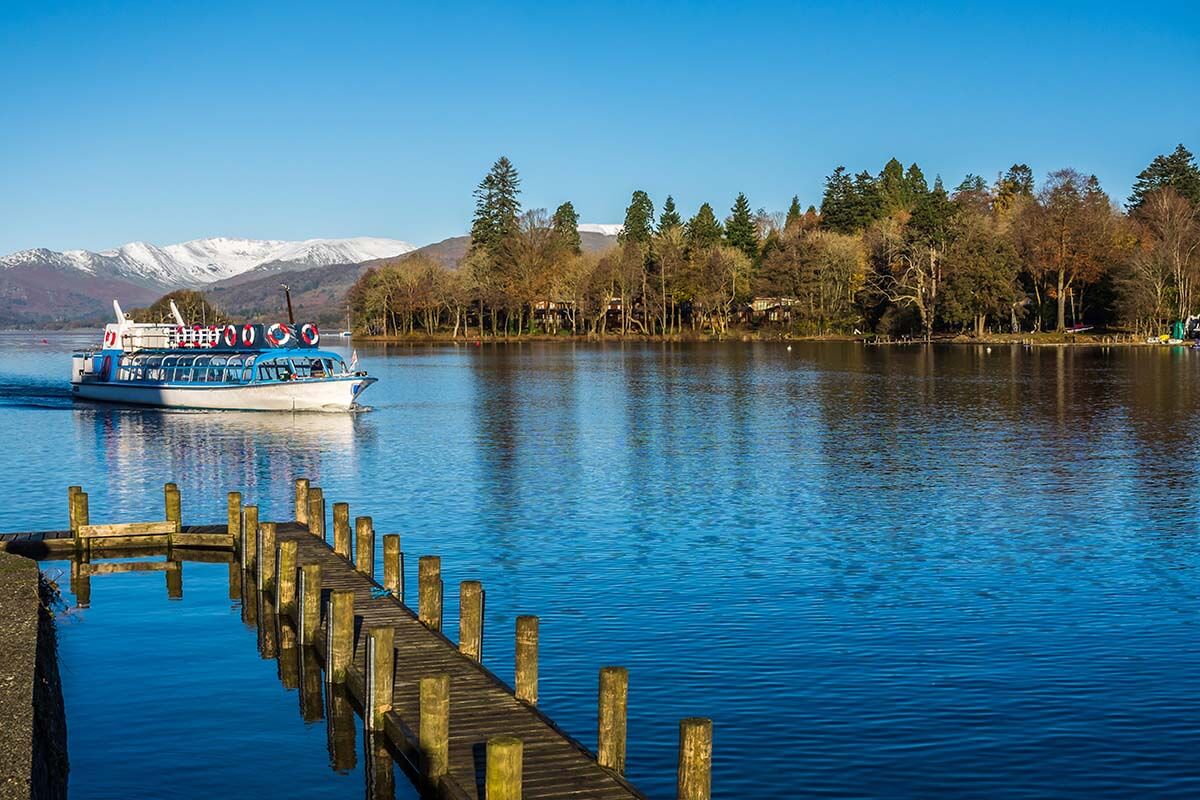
(171, 121)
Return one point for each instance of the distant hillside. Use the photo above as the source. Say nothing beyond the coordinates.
(43, 294)
(319, 293)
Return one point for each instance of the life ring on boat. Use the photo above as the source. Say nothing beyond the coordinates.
(278, 335)
(110, 338)
(309, 334)
(231, 336)
(214, 337)
(249, 335)
(105, 368)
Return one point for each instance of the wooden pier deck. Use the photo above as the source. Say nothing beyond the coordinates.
(483, 710)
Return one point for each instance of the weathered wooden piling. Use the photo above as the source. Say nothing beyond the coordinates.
(301, 501)
(434, 733)
(309, 590)
(364, 547)
(249, 537)
(234, 517)
(339, 622)
(393, 566)
(174, 506)
(341, 529)
(71, 492)
(614, 702)
(79, 509)
(526, 677)
(265, 564)
(316, 512)
(341, 729)
(429, 591)
(695, 759)
(312, 707)
(285, 578)
(504, 767)
(380, 669)
(470, 620)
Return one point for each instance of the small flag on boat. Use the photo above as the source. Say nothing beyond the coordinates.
(353, 360)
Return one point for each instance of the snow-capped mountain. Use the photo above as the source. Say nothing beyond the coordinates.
(205, 261)
(603, 228)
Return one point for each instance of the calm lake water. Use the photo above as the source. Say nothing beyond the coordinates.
(884, 572)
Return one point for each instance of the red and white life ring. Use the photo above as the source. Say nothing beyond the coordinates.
(231, 336)
(110, 338)
(249, 335)
(309, 334)
(214, 337)
(278, 334)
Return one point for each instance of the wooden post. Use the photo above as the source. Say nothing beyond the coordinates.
(527, 659)
(393, 566)
(364, 547)
(429, 592)
(695, 759)
(249, 546)
(614, 699)
(285, 579)
(174, 509)
(79, 516)
(470, 620)
(71, 492)
(380, 669)
(234, 519)
(316, 512)
(266, 556)
(339, 628)
(504, 755)
(302, 500)
(341, 529)
(434, 730)
(309, 602)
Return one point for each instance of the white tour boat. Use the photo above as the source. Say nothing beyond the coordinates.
(247, 367)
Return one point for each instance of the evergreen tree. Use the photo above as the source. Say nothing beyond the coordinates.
(794, 214)
(639, 219)
(914, 180)
(1177, 170)
(1013, 185)
(932, 214)
(868, 202)
(837, 212)
(670, 217)
(893, 188)
(703, 230)
(566, 227)
(496, 207)
(740, 230)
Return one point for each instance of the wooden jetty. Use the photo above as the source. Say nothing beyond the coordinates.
(454, 727)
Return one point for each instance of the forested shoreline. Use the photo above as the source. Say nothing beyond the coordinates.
(884, 254)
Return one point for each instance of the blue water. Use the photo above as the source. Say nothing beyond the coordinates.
(883, 572)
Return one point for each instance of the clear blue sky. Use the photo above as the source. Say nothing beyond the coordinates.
(171, 121)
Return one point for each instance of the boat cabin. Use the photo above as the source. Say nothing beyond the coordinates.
(148, 366)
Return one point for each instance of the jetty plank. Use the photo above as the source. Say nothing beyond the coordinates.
(482, 707)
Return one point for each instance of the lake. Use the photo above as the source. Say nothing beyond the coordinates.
(887, 572)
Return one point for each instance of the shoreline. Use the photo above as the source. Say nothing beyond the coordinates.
(1025, 340)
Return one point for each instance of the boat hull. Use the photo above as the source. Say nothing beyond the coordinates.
(326, 395)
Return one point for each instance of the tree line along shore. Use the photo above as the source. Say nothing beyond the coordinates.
(885, 256)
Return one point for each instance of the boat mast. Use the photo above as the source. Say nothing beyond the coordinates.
(288, 294)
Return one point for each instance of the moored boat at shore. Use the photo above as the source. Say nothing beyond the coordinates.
(250, 367)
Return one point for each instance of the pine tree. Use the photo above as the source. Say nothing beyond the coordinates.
(794, 214)
(837, 212)
(893, 188)
(639, 219)
(703, 230)
(915, 183)
(740, 230)
(1177, 170)
(496, 207)
(670, 217)
(566, 227)
(867, 202)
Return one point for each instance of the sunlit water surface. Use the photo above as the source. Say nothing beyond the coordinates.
(884, 572)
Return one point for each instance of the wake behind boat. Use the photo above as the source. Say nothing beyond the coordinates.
(248, 367)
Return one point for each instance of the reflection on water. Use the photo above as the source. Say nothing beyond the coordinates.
(929, 570)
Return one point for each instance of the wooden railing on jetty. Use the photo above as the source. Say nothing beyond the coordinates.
(457, 730)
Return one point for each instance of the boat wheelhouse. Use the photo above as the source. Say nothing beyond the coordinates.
(238, 367)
